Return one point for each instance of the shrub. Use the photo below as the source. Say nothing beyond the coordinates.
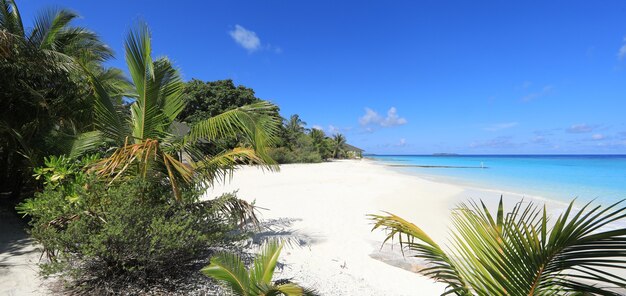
(131, 231)
(304, 151)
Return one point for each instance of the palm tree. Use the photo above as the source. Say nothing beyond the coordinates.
(151, 144)
(293, 128)
(317, 135)
(320, 142)
(45, 100)
(53, 35)
(230, 270)
(295, 124)
(339, 145)
(522, 252)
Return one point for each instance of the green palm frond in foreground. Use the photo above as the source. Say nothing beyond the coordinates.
(230, 270)
(522, 252)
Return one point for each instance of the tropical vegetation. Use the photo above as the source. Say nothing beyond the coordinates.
(521, 252)
(298, 144)
(45, 99)
(119, 169)
(148, 141)
(110, 169)
(229, 269)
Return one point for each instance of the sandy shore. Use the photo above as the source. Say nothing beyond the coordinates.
(325, 206)
(322, 209)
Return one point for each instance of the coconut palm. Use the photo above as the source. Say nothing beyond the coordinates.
(321, 143)
(295, 124)
(339, 145)
(149, 141)
(45, 100)
(521, 252)
(53, 34)
(230, 270)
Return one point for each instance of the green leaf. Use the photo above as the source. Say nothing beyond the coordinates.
(230, 270)
(265, 263)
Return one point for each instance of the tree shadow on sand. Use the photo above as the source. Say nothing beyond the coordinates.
(282, 229)
(15, 243)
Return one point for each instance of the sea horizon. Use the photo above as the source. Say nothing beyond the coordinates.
(559, 177)
(461, 154)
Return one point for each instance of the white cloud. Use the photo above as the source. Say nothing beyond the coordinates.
(500, 126)
(498, 142)
(622, 51)
(598, 137)
(402, 142)
(333, 129)
(372, 117)
(579, 128)
(539, 140)
(393, 118)
(318, 127)
(246, 38)
(535, 95)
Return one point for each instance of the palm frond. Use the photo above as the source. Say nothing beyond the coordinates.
(239, 121)
(522, 253)
(257, 123)
(220, 167)
(48, 24)
(146, 116)
(108, 119)
(264, 264)
(85, 142)
(83, 44)
(10, 19)
(114, 166)
(414, 238)
(230, 270)
(167, 87)
(238, 210)
(281, 290)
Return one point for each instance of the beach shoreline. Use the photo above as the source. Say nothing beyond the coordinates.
(327, 205)
(321, 210)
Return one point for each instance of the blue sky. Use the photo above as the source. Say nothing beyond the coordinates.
(412, 77)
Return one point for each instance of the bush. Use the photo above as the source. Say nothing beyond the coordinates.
(304, 151)
(131, 231)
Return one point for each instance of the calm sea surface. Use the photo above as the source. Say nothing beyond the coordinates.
(558, 177)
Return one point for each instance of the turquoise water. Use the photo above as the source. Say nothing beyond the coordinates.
(558, 177)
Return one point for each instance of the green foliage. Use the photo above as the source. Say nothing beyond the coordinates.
(303, 151)
(521, 252)
(148, 142)
(231, 271)
(204, 100)
(60, 173)
(207, 99)
(45, 99)
(293, 129)
(339, 146)
(322, 143)
(132, 230)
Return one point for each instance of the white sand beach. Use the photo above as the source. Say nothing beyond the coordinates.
(322, 208)
(327, 204)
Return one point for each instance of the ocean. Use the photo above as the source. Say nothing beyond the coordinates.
(558, 177)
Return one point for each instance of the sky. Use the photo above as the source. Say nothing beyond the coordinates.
(403, 77)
